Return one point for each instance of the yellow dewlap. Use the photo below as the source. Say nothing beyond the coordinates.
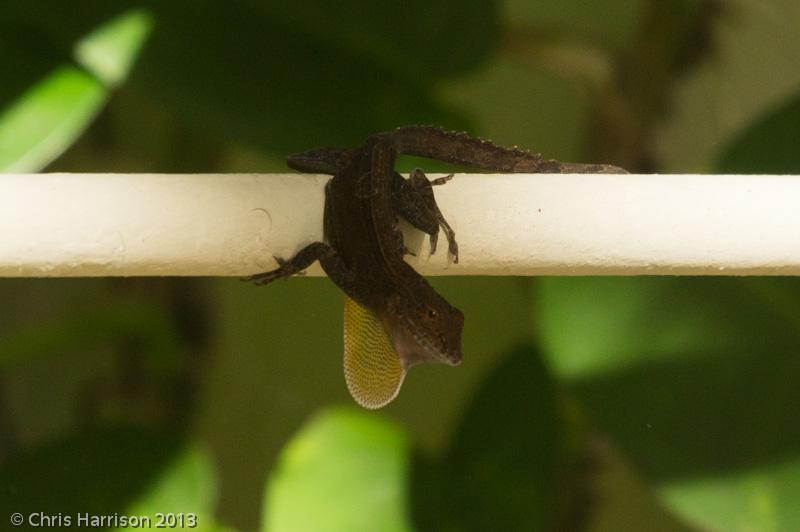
(371, 367)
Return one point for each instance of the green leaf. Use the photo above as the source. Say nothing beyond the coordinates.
(502, 469)
(185, 486)
(47, 119)
(283, 76)
(346, 470)
(761, 499)
(50, 115)
(122, 471)
(271, 80)
(696, 380)
(110, 51)
(768, 146)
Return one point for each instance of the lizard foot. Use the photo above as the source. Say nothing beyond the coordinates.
(267, 277)
(441, 180)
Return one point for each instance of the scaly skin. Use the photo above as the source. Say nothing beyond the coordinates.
(363, 251)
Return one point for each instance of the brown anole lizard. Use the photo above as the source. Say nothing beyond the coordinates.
(393, 318)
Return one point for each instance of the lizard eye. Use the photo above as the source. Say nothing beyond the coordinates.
(432, 313)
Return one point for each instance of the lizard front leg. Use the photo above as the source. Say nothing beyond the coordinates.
(331, 262)
(306, 256)
(302, 260)
(413, 199)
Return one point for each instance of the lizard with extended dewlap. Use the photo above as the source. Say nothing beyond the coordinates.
(393, 317)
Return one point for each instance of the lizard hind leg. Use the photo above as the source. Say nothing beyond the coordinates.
(414, 200)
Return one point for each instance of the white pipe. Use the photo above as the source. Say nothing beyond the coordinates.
(513, 224)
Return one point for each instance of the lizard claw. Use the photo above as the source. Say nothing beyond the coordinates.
(441, 180)
(453, 249)
(263, 278)
(267, 277)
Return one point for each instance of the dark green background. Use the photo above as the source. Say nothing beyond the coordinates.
(597, 404)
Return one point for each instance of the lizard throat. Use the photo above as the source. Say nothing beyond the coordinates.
(414, 348)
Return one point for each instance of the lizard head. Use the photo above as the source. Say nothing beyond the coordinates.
(424, 329)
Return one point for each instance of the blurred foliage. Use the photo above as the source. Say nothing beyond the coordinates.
(635, 404)
(768, 146)
(54, 110)
(124, 471)
(355, 470)
(508, 452)
(97, 325)
(696, 379)
(350, 467)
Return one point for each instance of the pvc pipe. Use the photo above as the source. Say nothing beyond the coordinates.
(57, 225)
